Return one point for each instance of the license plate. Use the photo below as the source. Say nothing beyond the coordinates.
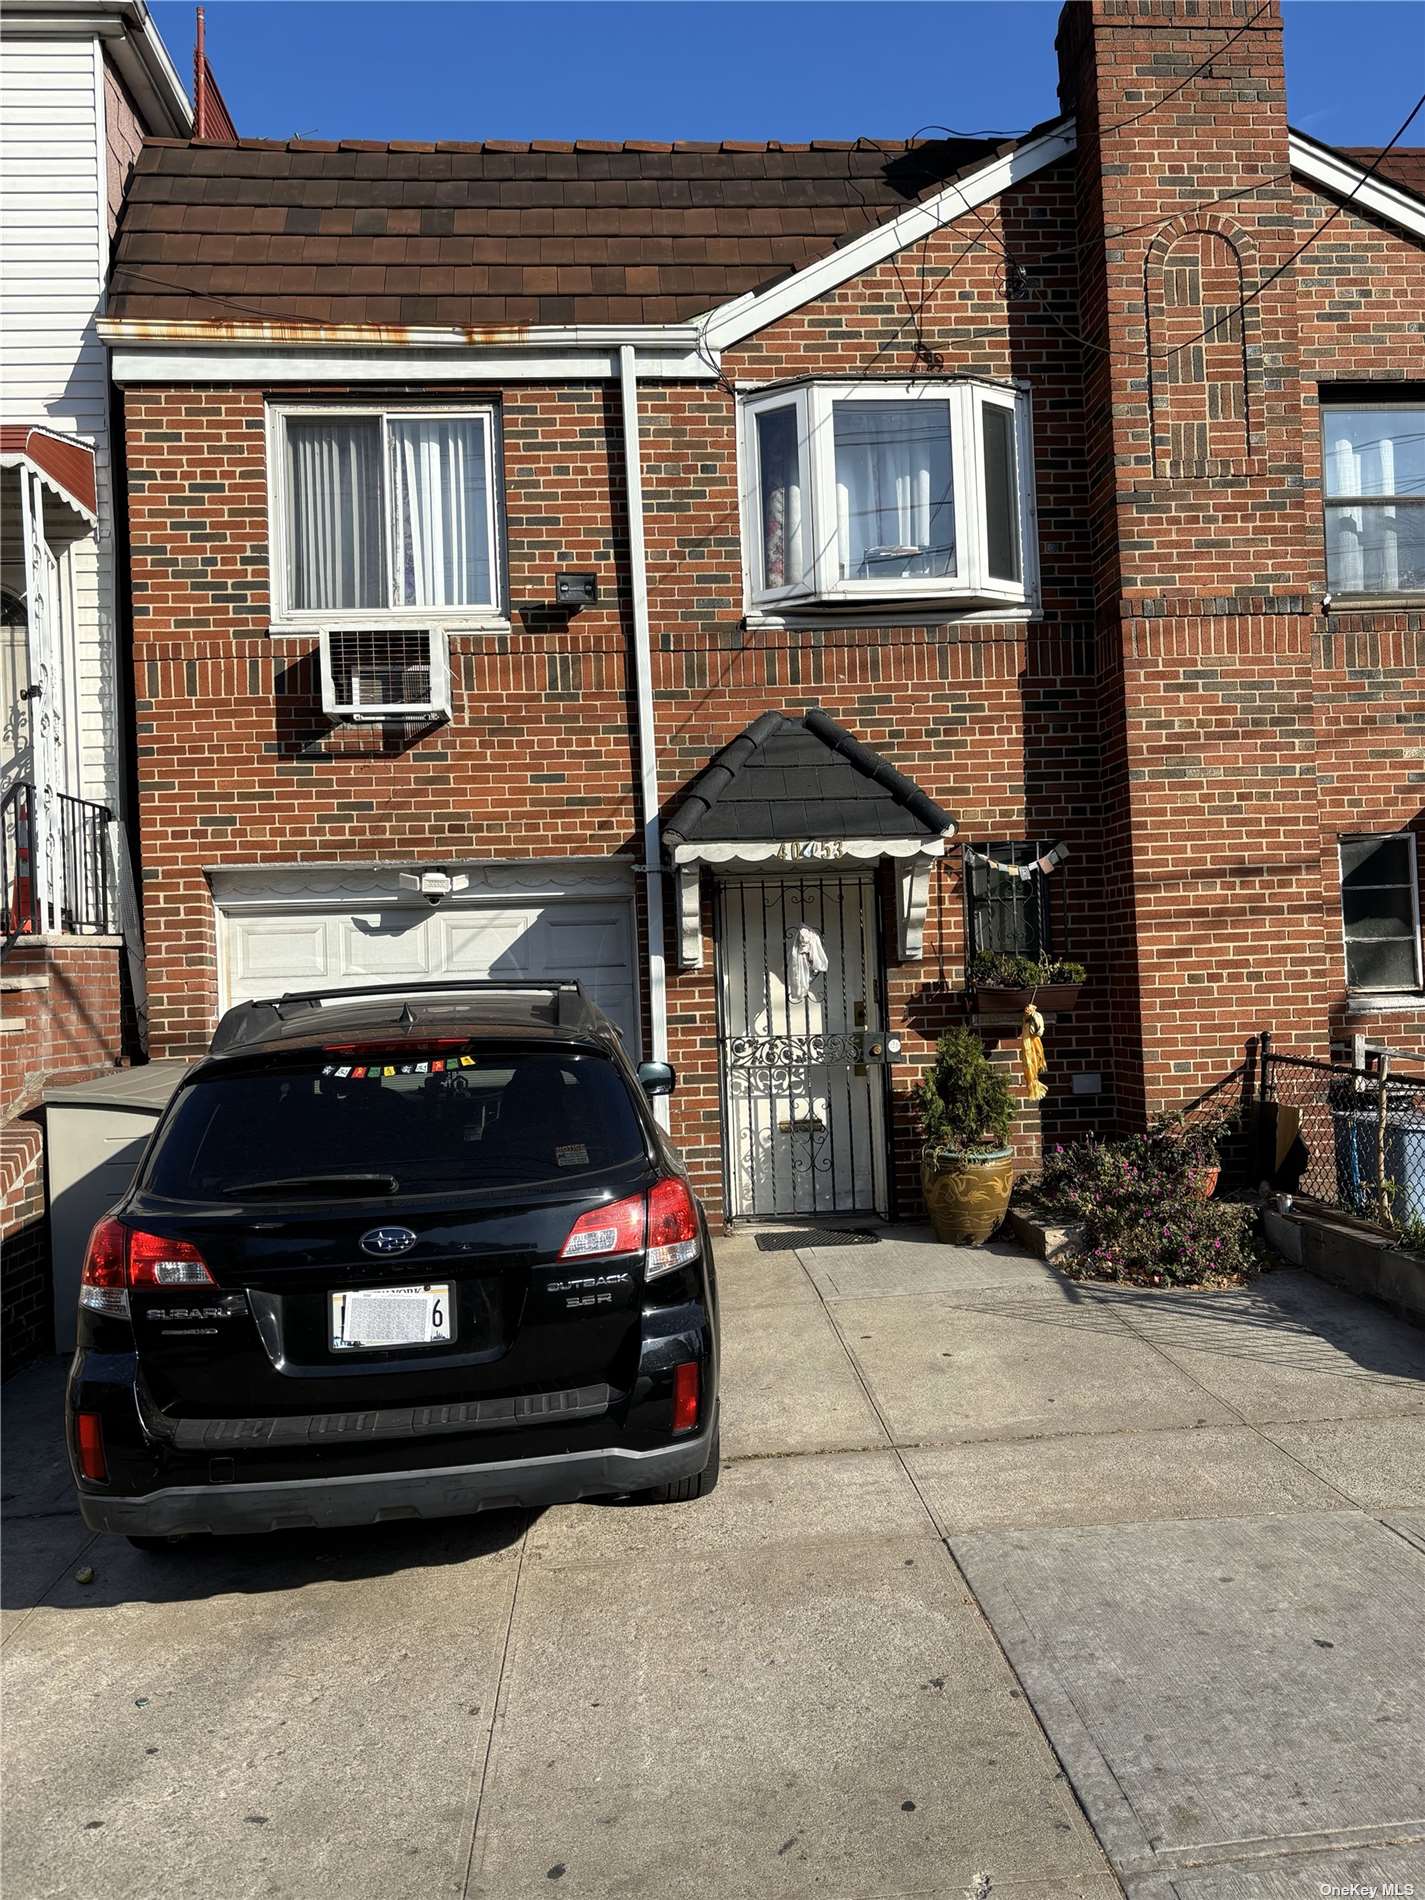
(369, 1319)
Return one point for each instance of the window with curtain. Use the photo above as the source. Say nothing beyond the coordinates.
(1373, 478)
(1380, 912)
(780, 494)
(879, 490)
(895, 510)
(389, 512)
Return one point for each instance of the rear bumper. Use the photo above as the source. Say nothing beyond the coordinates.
(444, 1491)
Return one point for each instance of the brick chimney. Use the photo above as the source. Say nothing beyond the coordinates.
(1204, 559)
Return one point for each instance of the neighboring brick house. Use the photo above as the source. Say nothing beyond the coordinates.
(81, 86)
(996, 470)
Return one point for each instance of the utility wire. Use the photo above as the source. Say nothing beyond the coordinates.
(1162, 99)
(1024, 277)
(1325, 223)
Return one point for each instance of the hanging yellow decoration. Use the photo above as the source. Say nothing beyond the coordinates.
(1031, 1054)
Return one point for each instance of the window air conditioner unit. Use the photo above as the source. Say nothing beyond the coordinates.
(370, 674)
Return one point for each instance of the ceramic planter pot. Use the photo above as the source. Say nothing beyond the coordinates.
(967, 1195)
(1204, 1180)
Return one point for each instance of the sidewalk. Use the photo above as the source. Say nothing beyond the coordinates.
(1196, 1523)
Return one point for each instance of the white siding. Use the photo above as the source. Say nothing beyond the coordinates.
(53, 256)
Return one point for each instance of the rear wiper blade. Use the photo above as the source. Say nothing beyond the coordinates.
(355, 1184)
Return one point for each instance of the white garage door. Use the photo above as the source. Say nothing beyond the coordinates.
(270, 948)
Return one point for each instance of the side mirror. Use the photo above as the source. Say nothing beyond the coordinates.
(656, 1078)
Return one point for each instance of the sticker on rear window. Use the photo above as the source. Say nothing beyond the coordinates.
(572, 1154)
(378, 1071)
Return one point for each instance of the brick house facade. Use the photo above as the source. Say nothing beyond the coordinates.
(1153, 669)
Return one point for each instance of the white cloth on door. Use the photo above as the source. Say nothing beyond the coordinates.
(806, 962)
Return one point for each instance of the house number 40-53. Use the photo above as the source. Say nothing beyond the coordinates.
(809, 848)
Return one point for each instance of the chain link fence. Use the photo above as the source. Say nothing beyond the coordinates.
(1350, 1138)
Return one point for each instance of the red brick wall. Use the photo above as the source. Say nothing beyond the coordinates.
(1181, 713)
(237, 762)
(72, 1021)
(1209, 566)
(26, 1304)
(1360, 292)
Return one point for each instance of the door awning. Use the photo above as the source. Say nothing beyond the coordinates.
(65, 466)
(804, 792)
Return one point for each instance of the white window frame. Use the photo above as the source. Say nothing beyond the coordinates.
(452, 619)
(1360, 406)
(1380, 837)
(822, 585)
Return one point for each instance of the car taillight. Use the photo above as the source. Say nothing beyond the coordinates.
(121, 1257)
(104, 1285)
(157, 1261)
(685, 1398)
(617, 1228)
(89, 1439)
(672, 1228)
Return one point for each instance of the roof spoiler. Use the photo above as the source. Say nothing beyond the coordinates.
(250, 1023)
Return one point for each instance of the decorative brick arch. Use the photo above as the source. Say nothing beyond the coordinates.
(1202, 363)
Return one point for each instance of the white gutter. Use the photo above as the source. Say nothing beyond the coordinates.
(288, 333)
(647, 736)
(224, 350)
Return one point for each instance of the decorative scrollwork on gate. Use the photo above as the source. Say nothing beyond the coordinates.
(764, 1081)
(811, 1151)
(761, 1052)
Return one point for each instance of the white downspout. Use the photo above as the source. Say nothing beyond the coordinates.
(647, 737)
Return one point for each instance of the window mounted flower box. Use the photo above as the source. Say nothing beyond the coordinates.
(1002, 984)
(993, 1000)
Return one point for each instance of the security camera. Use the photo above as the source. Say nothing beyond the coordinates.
(434, 885)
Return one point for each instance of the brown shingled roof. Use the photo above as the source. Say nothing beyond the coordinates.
(500, 233)
(1404, 166)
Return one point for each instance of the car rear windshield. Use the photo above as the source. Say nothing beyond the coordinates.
(384, 1121)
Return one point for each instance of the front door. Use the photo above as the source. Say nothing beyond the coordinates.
(802, 1040)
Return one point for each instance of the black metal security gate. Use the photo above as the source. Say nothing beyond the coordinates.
(802, 1045)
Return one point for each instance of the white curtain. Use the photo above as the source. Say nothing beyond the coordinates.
(440, 505)
(336, 555)
(894, 507)
(783, 561)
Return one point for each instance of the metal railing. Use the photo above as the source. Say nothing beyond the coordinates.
(1348, 1137)
(70, 891)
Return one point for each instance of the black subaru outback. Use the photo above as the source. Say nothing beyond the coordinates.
(397, 1253)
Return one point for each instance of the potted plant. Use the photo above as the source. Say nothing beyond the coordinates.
(1198, 1142)
(1000, 980)
(965, 1106)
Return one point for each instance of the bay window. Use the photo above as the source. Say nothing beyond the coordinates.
(385, 512)
(1373, 479)
(883, 491)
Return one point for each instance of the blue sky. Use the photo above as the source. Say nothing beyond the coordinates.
(666, 69)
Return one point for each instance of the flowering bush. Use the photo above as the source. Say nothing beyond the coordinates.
(1144, 1217)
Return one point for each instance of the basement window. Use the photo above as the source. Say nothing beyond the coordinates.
(384, 512)
(1380, 912)
(1373, 477)
(880, 491)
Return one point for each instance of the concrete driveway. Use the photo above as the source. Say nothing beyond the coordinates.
(1194, 1526)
